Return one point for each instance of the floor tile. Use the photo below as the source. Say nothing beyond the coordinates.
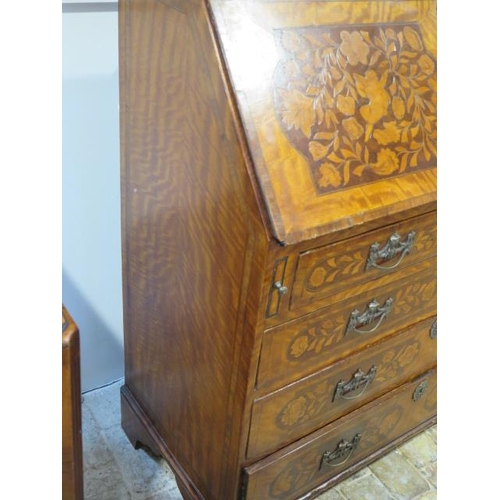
(165, 495)
(421, 450)
(430, 495)
(335, 493)
(104, 405)
(363, 472)
(399, 476)
(430, 473)
(367, 487)
(332, 494)
(433, 432)
(96, 452)
(174, 493)
(105, 482)
(143, 473)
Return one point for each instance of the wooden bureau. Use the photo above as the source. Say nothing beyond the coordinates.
(279, 237)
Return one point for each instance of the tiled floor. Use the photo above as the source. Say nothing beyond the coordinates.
(113, 470)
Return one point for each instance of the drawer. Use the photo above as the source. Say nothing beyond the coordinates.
(323, 271)
(324, 455)
(300, 408)
(303, 346)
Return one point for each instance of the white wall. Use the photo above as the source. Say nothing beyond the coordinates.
(91, 281)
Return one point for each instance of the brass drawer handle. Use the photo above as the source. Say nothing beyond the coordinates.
(344, 449)
(391, 249)
(374, 312)
(359, 379)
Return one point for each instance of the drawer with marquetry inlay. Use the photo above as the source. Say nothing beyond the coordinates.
(360, 316)
(297, 409)
(341, 448)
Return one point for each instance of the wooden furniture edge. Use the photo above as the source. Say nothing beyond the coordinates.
(71, 375)
(330, 483)
(141, 432)
(267, 221)
(369, 459)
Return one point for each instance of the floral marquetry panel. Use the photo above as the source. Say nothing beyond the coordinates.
(338, 105)
(358, 103)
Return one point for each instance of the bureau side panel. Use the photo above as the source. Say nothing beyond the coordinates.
(192, 238)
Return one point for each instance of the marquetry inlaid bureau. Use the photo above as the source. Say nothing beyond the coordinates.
(279, 237)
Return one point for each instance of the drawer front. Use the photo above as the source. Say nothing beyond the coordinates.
(303, 346)
(323, 271)
(327, 453)
(298, 409)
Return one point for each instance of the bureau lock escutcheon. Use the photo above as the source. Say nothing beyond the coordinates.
(282, 289)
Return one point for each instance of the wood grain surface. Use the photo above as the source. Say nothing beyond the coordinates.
(72, 453)
(344, 239)
(297, 469)
(193, 239)
(301, 407)
(334, 296)
(322, 271)
(338, 103)
(231, 234)
(302, 346)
